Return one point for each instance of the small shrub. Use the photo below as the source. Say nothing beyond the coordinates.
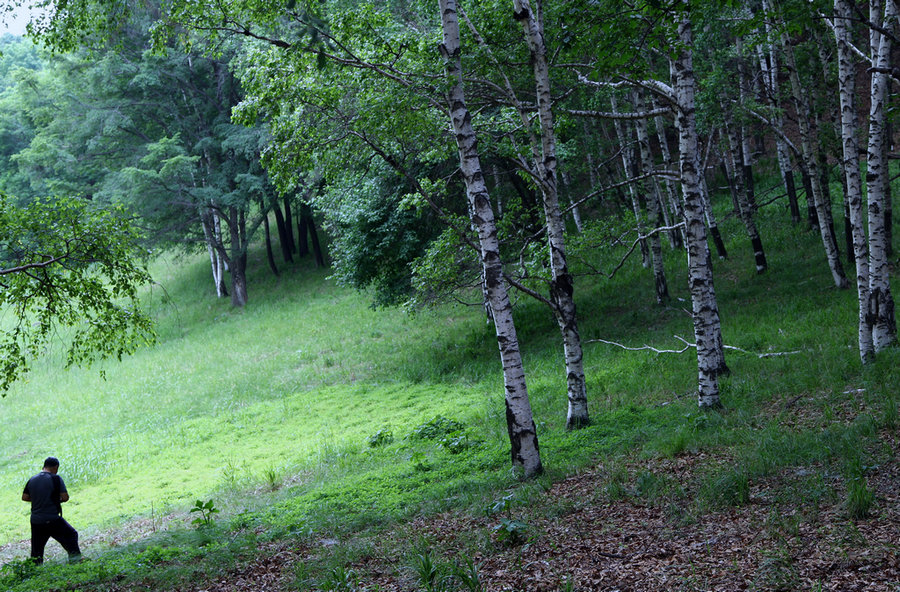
(382, 437)
(16, 572)
(511, 532)
(206, 510)
(455, 443)
(420, 462)
(436, 428)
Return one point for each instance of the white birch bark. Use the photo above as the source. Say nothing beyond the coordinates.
(881, 301)
(675, 203)
(218, 272)
(705, 311)
(561, 283)
(653, 201)
(850, 166)
(770, 72)
(808, 141)
(628, 163)
(743, 195)
(524, 448)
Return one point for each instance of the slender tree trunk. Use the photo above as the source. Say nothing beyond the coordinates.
(209, 234)
(771, 84)
(674, 201)
(745, 206)
(302, 232)
(281, 224)
(850, 165)
(653, 201)
(808, 143)
(237, 229)
(631, 168)
(318, 250)
(574, 208)
(561, 283)
(524, 448)
(881, 301)
(270, 257)
(746, 162)
(289, 226)
(707, 327)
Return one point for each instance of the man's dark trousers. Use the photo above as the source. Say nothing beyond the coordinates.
(58, 529)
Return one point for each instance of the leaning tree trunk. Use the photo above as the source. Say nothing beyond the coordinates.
(850, 165)
(707, 327)
(519, 420)
(881, 302)
(561, 283)
(808, 143)
(653, 201)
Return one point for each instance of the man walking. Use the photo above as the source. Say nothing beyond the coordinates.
(46, 492)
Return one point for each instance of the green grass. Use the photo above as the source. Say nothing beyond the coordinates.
(270, 410)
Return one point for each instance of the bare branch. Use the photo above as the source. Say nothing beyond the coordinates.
(688, 345)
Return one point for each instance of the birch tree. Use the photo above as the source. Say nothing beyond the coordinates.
(881, 302)
(545, 166)
(520, 423)
(809, 143)
(850, 166)
(705, 310)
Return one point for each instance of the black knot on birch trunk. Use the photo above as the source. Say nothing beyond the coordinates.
(520, 15)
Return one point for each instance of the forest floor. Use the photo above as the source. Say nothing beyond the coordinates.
(584, 539)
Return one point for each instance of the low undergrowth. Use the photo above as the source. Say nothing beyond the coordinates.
(329, 434)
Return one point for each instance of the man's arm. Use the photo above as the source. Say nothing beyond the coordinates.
(63, 496)
(26, 497)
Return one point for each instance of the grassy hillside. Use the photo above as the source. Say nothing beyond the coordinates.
(269, 410)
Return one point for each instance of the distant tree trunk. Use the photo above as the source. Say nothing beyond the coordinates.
(881, 301)
(705, 310)
(270, 257)
(710, 215)
(289, 226)
(745, 206)
(808, 143)
(746, 163)
(318, 251)
(630, 166)
(574, 207)
(237, 260)
(850, 165)
(545, 165)
(674, 201)
(302, 232)
(523, 439)
(771, 85)
(281, 223)
(218, 266)
(653, 201)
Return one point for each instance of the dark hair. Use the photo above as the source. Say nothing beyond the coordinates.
(51, 461)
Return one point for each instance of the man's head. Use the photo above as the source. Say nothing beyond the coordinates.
(51, 464)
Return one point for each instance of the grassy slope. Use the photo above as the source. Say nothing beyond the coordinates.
(236, 401)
